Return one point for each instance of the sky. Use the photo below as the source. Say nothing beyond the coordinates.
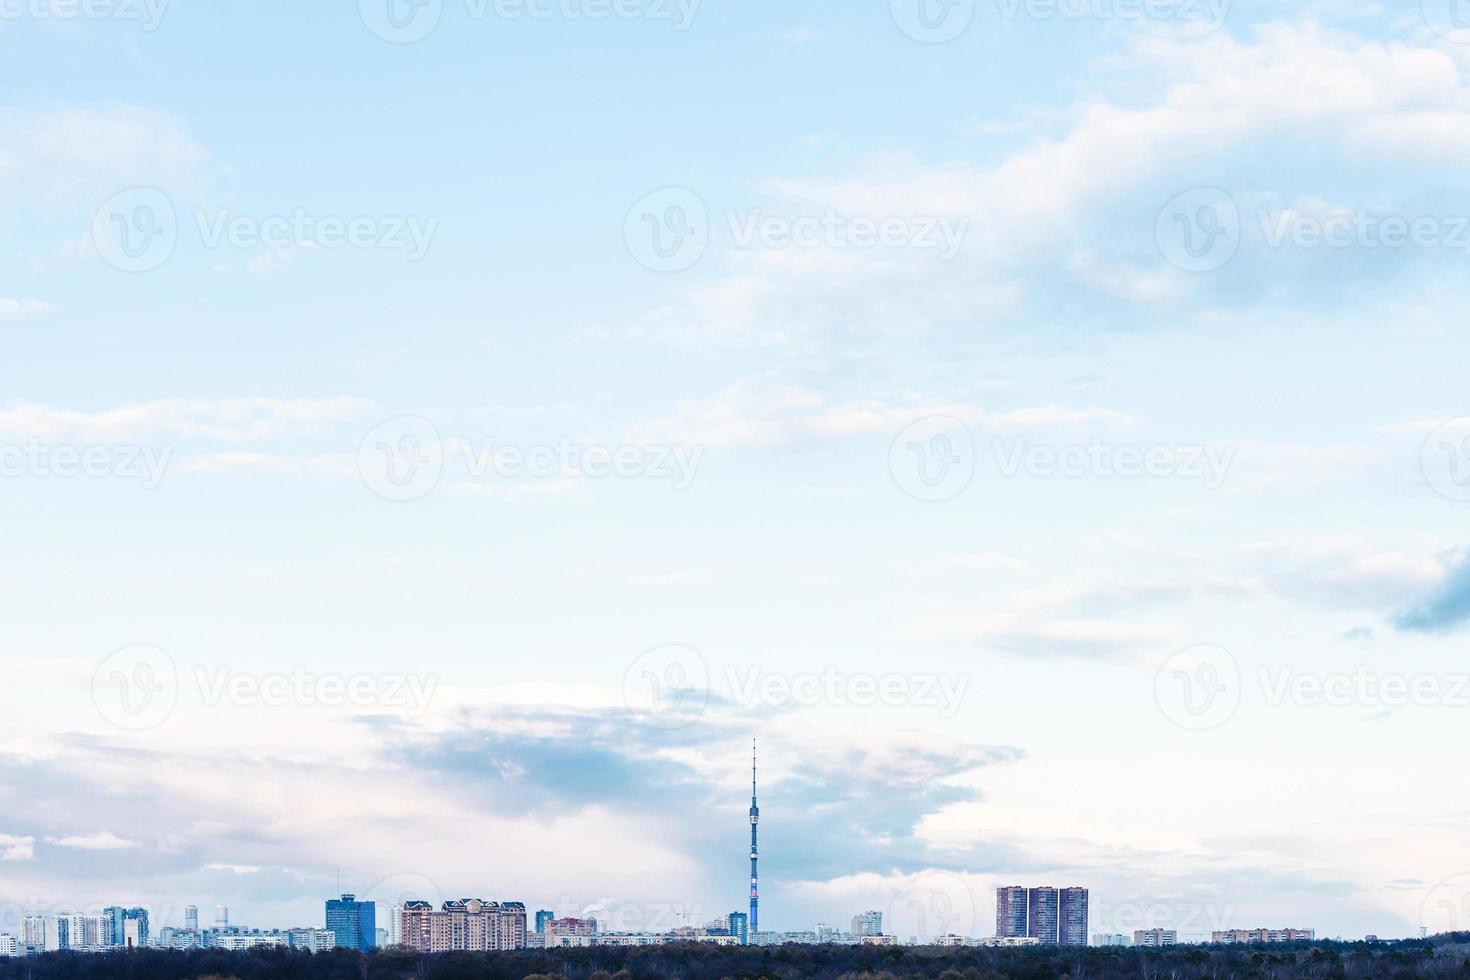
(436, 438)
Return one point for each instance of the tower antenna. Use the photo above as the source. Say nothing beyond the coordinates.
(755, 817)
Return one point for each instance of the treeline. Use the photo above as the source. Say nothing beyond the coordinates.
(1437, 959)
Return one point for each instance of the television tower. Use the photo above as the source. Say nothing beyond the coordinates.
(755, 817)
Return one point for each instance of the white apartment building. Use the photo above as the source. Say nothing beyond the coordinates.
(248, 942)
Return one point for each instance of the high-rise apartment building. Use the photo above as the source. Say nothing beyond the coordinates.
(1010, 912)
(1072, 917)
(354, 923)
(191, 918)
(38, 932)
(868, 924)
(468, 924)
(221, 917)
(1109, 939)
(9, 945)
(543, 916)
(738, 923)
(1041, 915)
(1155, 937)
(571, 927)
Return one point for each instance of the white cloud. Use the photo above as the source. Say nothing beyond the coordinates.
(13, 848)
(754, 414)
(11, 308)
(229, 418)
(56, 156)
(103, 841)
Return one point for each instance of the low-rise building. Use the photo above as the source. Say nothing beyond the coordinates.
(1238, 937)
(239, 941)
(1155, 937)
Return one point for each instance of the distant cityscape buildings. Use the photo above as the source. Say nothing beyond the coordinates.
(1045, 914)
(868, 924)
(1024, 916)
(353, 923)
(1242, 936)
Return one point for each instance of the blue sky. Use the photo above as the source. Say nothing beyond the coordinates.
(785, 468)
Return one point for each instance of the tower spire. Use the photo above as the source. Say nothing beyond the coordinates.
(755, 817)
